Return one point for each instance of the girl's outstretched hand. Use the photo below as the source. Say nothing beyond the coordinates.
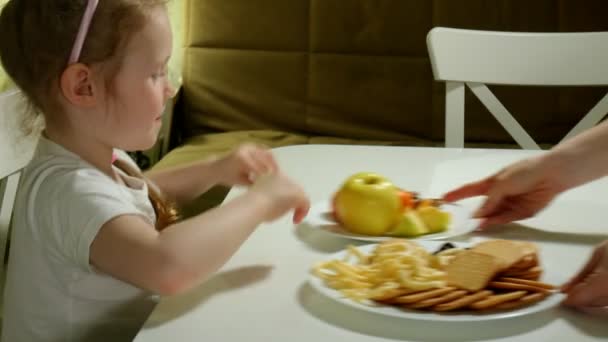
(281, 195)
(516, 192)
(244, 164)
(588, 290)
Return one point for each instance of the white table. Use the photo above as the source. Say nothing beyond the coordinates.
(261, 294)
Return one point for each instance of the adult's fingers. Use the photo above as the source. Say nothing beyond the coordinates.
(511, 209)
(469, 190)
(591, 292)
(501, 217)
(597, 311)
(592, 263)
(491, 205)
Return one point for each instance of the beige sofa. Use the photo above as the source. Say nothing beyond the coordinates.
(283, 72)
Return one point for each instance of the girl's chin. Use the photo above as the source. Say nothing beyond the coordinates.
(144, 140)
(142, 145)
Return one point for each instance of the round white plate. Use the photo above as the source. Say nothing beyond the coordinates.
(320, 217)
(462, 316)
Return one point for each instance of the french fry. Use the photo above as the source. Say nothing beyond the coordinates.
(394, 267)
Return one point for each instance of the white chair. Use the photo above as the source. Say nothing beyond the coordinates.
(476, 58)
(16, 150)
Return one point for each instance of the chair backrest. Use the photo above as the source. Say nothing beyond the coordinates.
(16, 150)
(475, 58)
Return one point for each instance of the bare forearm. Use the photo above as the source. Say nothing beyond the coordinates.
(202, 244)
(583, 158)
(184, 183)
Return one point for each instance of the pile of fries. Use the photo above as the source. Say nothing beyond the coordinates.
(394, 267)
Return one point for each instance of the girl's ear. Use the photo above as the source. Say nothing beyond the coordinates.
(77, 85)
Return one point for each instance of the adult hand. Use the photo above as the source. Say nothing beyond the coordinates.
(588, 290)
(516, 192)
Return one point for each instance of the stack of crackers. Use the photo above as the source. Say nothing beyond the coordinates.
(492, 275)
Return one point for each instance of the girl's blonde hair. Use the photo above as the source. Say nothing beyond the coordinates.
(36, 38)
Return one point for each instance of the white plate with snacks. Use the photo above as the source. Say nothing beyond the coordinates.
(550, 276)
(320, 218)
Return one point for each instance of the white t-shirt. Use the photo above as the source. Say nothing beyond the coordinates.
(52, 292)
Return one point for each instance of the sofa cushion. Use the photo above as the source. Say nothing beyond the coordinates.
(217, 144)
(360, 69)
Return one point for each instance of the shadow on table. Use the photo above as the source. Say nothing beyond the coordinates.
(324, 242)
(371, 324)
(588, 324)
(516, 231)
(175, 306)
(321, 241)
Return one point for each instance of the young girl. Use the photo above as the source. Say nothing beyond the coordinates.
(92, 240)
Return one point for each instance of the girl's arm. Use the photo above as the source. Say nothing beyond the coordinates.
(184, 183)
(188, 252)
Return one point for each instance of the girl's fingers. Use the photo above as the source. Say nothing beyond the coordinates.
(253, 167)
(301, 208)
(300, 213)
(270, 164)
(255, 162)
(260, 160)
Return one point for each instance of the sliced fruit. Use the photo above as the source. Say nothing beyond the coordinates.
(434, 218)
(410, 225)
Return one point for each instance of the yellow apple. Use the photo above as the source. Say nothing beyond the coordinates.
(409, 225)
(367, 203)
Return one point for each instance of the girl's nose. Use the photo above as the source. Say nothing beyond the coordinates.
(173, 82)
(170, 91)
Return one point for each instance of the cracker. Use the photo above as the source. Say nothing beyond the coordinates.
(471, 271)
(508, 252)
(525, 300)
(416, 297)
(463, 302)
(497, 299)
(531, 276)
(527, 282)
(515, 286)
(526, 262)
(528, 248)
(438, 300)
(531, 272)
(389, 295)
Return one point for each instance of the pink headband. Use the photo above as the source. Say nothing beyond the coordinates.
(83, 30)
